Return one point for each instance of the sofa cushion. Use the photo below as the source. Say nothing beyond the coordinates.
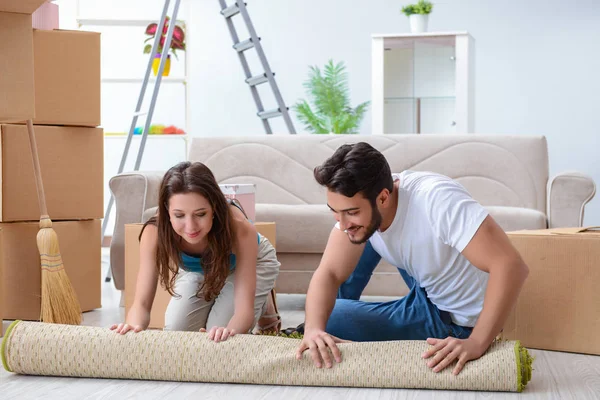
(517, 218)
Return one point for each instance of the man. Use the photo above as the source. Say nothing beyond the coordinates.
(463, 274)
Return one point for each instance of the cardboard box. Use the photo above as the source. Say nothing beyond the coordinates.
(17, 100)
(79, 243)
(245, 194)
(45, 17)
(67, 78)
(27, 7)
(72, 166)
(1, 290)
(559, 305)
(162, 298)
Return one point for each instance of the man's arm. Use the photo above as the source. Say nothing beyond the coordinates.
(491, 251)
(339, 260)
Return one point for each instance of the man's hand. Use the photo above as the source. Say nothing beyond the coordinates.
(319, 343)
(450, 349)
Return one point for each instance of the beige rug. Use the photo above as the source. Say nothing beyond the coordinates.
(34, 348)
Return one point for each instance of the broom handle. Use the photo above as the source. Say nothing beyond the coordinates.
(37, 170)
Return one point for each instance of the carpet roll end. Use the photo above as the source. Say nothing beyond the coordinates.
(524, 366)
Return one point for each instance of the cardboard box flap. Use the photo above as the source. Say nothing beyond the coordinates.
(590, 230)
(20, 6)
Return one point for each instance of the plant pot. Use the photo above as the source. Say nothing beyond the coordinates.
(156, 65)
(418, 22)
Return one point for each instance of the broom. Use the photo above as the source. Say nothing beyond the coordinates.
(59, 301)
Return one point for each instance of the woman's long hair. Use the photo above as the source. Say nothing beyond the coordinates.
(187, 177)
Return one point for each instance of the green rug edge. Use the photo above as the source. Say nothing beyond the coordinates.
(3, 346)
(524, 366)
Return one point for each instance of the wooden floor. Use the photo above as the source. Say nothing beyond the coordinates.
(555, 375)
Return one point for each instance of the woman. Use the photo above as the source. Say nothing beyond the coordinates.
(208, 256)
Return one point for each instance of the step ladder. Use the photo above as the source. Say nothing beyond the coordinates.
(253, 81)
(239, 7)
(138, 109)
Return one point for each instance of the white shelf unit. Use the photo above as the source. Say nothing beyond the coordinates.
(118, 22)
(423, 83)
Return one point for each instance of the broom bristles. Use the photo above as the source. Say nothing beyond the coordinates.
(59, 300)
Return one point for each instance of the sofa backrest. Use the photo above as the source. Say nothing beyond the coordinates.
(498, 170)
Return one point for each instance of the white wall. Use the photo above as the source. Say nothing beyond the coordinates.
(537, 65)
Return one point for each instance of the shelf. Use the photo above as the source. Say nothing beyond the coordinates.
(410, 40)
(120, 22)
(162, 137)
(409, 35)
(165, 79)
(401, 99)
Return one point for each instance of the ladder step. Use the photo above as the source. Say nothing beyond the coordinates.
(230, 11)
(270, 113)
(257, 80)
(245, 45)
(140, 113)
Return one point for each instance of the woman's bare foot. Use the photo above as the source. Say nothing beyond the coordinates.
(270, 321)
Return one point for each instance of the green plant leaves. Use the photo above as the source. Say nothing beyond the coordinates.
(331, 111)
(422, 7)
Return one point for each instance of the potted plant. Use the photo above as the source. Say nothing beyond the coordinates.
(418, 15)
(177, 43)
(331, 112)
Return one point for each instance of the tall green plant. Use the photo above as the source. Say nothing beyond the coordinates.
(331, 111)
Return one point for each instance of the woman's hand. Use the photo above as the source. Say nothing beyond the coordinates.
(123, 328)
(219, 334)
(138, 320)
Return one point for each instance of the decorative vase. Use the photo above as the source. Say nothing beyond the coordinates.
(156, 65)
(418, 22)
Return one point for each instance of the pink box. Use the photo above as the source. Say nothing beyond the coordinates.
(245, 194)
(45, 17)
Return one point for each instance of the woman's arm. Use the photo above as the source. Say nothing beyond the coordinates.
(138, 317)
(246, 251)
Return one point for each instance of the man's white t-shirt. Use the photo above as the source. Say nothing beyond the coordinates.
(435, 220)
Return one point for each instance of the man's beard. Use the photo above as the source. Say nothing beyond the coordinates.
(373, 226)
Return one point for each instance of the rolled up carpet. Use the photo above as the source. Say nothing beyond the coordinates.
(35, 348)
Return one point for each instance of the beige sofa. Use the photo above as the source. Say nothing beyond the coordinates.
(507, 174)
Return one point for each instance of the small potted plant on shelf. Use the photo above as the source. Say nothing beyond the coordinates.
(332, 113)
(177, 43)
(418, 15)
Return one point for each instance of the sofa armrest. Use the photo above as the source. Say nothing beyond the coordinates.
(134, 192)
(568, 194)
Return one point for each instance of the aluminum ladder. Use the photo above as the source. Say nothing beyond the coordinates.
(239, 7)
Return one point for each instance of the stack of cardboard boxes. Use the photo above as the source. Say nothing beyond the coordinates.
(52, 77)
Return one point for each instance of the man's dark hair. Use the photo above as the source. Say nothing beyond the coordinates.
(355, 168)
